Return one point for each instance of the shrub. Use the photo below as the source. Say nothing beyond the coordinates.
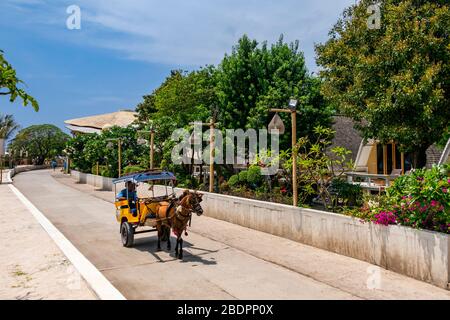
(254, 176)
(243, 176)
(420, 199)
(106, 172)
(350, 193)
(233, 181)
(132, 169)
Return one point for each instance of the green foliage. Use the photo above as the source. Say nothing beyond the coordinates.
(255, 78)
(75, 150)
(42, 142)
(395, 81)
(420, 199)
(350, 194)
(133, 169)
(88, 149)
(254, 176)
(316, 165)
(7, 126)
(182, 98)
(238, 93)
(9, 84)
(233, 181)
(243, 177)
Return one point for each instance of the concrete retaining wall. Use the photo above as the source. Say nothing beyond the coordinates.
(102, 183)
(420, 254)
(20, 169)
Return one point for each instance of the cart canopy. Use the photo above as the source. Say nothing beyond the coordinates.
(146, 176)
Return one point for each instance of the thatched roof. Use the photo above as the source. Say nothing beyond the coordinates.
(346, 135)
(122, 118)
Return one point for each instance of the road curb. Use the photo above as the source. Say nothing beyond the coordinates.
(95, 279)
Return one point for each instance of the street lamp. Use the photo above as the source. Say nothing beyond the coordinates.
(292, 109)
(151, 142)
(119, 143)
(212, 124)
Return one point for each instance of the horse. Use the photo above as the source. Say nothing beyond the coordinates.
(175, 216)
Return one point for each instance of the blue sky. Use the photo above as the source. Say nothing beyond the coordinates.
(126, 48)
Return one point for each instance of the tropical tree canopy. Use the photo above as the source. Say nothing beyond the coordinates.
(7, 126)
(238, 94)
(41, 142)
(86, 150)
(10, 84)
(253, 79)
(395, 80)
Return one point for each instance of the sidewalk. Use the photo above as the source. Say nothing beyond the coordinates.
(359, 278)
(31, 265)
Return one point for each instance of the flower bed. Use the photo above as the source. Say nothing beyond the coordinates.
(420, 200)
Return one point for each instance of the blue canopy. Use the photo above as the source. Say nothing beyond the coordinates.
(146, 176)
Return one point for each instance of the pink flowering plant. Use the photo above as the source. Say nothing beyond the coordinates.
(420, 200)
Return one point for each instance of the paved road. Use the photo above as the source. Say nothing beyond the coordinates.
(222, 261)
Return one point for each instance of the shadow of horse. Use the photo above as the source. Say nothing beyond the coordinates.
(149, 245)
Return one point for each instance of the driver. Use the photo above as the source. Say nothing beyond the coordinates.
(129, 193)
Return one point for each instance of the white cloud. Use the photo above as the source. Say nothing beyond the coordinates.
(198, 32)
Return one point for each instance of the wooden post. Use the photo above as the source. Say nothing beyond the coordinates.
(294, 158)
(394, 156)
(403, 162)
(120, 157)
(294, 152)
(152, 148)
(211, 157)
(212, 125)
(385, 159)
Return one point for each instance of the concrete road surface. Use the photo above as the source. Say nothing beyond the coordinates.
(222, 261)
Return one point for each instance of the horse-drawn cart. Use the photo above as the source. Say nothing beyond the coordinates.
(133, 212)
(161, 213)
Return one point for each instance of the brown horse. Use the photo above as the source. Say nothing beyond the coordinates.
(176, 216)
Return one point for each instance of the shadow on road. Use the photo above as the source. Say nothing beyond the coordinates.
(150, 245)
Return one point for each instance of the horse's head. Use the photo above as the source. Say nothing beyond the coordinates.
(193, 200)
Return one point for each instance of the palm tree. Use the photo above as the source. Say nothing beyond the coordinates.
(7, 126)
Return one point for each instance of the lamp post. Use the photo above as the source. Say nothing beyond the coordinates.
(152, 144)
(119, 143)
(212, 125)
(292, 109)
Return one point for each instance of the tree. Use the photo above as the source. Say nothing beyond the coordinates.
(7, 126)
(318, 165)
(40, 141)
(182, 98)
(393, 81)
(254, 79)
(86, 150)
(9, 84)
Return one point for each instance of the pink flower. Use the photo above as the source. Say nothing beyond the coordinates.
(385, 218)
(444, 190)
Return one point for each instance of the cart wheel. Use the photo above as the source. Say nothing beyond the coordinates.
(127, 234)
